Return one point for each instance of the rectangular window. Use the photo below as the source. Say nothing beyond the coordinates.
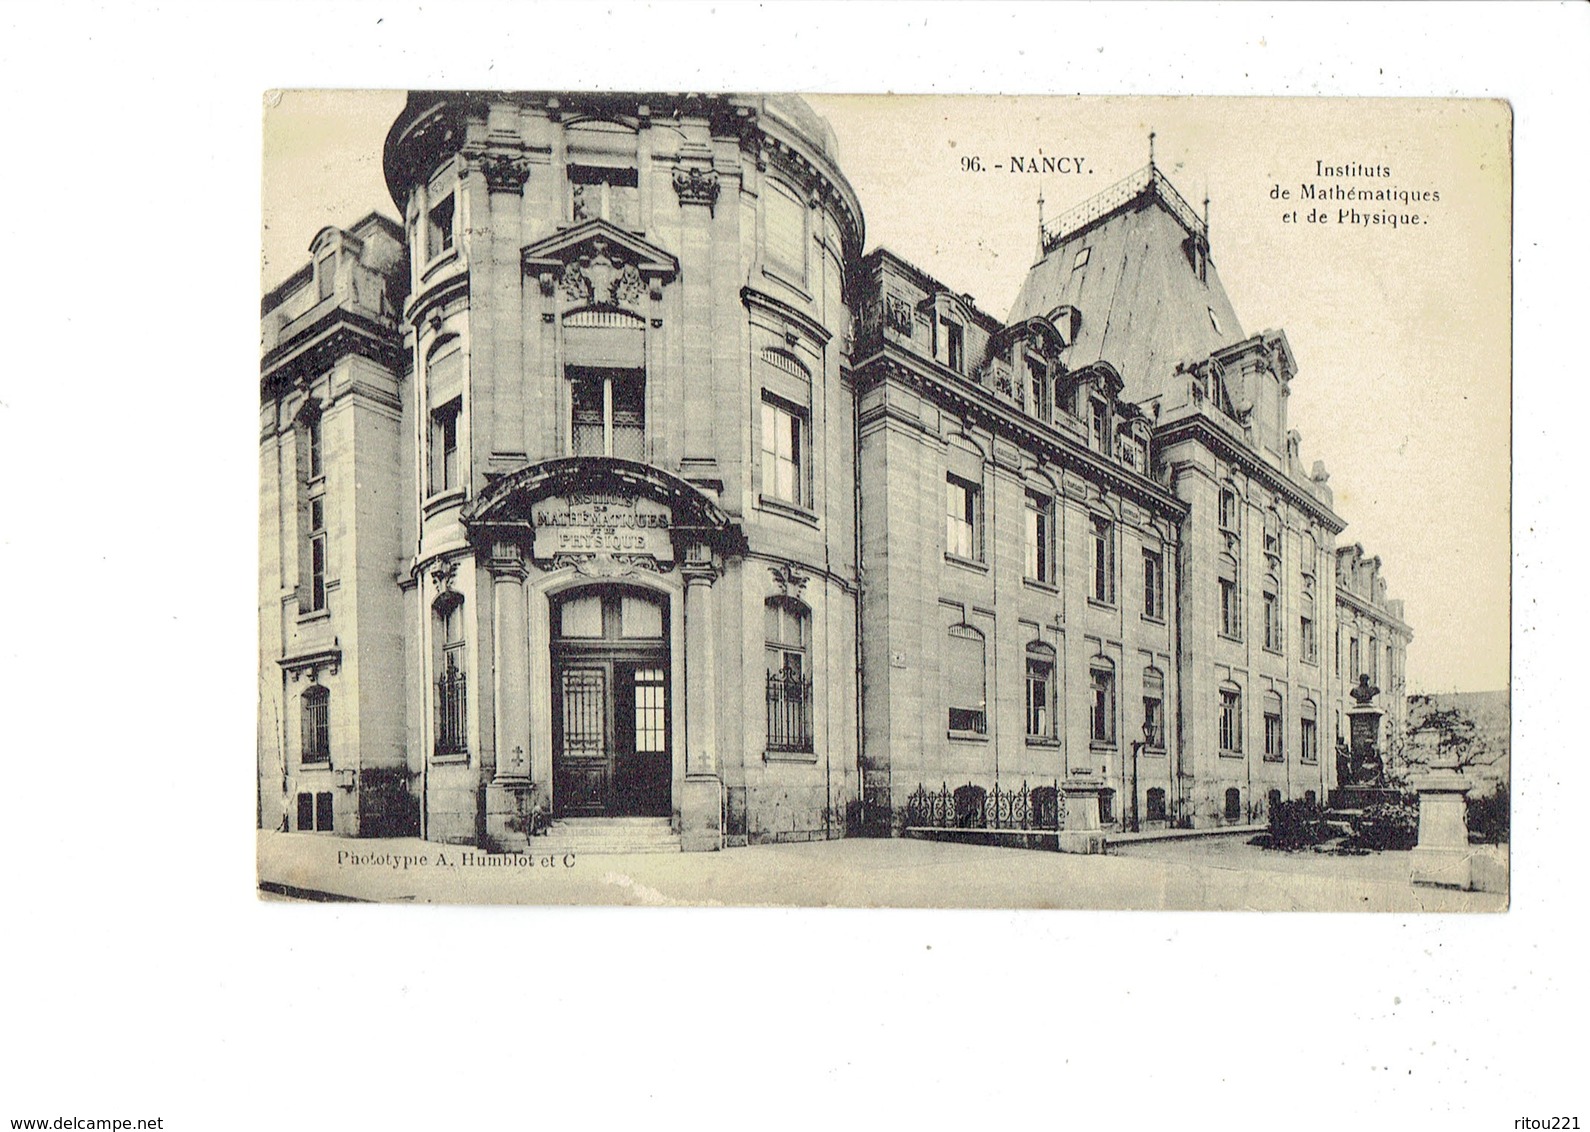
(1354, 660)
(783, 455)
(317, 554)
(1230, 515)
(1310, 738)
(1274, 632)
(786, 231)
(1307, 640)
(607, 412)
(1274, 737)
(306, 812)
(1231, 720)
(1103, 561)
(323, 812)
(444, 446)
(312, 437)
(963, 536)
(1102, 715)
(1153, 722)
(1153, 585)
(1040, 678)
(439, 228)
(604, 193)
(1040, 538)
(651, 711)
(1153, 709)
(956, 339)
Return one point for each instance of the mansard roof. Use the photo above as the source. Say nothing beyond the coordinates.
(1147, 292)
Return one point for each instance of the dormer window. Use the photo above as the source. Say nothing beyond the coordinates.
(326, 274)
(1101, 426)
(1038, 385)
(604, 193)
(1081, 260)
(955, 339)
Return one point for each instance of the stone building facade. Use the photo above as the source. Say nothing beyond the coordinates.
(615, 485)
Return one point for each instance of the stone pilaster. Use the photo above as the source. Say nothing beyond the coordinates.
(701, 796)
(509, 794)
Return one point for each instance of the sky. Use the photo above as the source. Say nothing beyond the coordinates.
(1402, 334)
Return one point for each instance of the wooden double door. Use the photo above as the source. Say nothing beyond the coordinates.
(611, 714)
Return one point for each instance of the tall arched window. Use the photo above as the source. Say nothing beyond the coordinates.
(452, 681)
(315, 704)
(789, 679)
(1230, 719)
(1274, 625)
(965, 684)
(1309, 722)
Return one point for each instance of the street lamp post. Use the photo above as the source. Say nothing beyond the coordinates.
(1137, 748)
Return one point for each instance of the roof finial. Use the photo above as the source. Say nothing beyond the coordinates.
(1042, 237)
(1151, 149)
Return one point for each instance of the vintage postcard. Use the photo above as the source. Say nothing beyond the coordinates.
(773, 499)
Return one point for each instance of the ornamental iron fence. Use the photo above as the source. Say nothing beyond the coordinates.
(973, 807)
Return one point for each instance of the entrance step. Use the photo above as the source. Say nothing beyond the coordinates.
(598, 836)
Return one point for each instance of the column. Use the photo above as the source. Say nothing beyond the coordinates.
(701, 794)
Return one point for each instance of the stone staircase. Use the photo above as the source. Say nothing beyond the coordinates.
(599, 836)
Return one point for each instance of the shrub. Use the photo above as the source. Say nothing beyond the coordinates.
(1296, 825)
(1488, 817)
(1386, 825)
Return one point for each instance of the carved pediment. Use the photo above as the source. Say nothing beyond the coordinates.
(599, 264)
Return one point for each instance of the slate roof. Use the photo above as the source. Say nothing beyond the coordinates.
(1144, 306)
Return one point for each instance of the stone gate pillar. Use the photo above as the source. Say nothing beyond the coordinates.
(701, 795)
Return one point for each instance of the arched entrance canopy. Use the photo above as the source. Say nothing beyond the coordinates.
(506, 511)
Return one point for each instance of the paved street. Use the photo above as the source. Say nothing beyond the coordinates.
(1202, 874)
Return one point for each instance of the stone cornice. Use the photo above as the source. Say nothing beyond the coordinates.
(319, 346)
(1370, 610)
(819, 333)
(437, 296)
(1200, 429)
(979, 404)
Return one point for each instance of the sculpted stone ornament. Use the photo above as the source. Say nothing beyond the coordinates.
(504, 172)
(602, 280)
(697, 186)
(897, 315)
(443, 574)
(1365, 692)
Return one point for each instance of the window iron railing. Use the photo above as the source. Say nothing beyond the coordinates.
(789, 711)
(452, 698)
